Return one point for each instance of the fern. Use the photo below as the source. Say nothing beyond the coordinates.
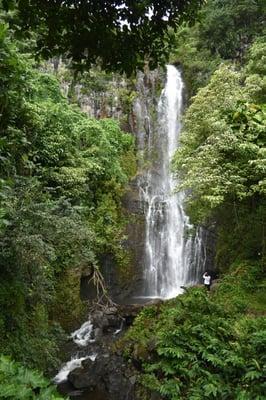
(19, 383)
(201, 357)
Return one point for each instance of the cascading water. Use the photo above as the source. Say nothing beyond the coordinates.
(170, 257)
(82, 337)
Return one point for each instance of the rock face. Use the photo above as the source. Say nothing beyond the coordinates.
(126, 287)
(107, 374)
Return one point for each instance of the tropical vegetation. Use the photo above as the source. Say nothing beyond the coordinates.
(62, 179)
(63, 176)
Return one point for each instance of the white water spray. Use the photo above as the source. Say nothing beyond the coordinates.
(83, 335)
(74, 363)
(169, 257)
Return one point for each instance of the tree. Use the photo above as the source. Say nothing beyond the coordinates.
(230, 26)
(121, 33)
(222, 158)
(225, 30)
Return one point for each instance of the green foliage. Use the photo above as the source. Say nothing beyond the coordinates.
(240, 232)
(66, 307)
(19, 383)
(103, 93)
(229, 26)
(197, 63)
(201, 346)
(118, 33)
(95, 80)
(255, 71)
(62, 179)
(224, 31)
(222, 142)
(241, 287)
(222, 157)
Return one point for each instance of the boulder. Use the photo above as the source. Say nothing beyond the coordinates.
(107, 373)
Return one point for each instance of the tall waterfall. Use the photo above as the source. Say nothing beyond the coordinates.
(171, 254)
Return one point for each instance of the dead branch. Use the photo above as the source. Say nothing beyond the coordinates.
(103, 300)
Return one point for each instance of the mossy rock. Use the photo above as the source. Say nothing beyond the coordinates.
(68, 308)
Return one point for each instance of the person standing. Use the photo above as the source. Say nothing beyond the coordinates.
(207, 280)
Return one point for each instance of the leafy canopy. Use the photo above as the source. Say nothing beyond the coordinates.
(121, 33)
(229, 26)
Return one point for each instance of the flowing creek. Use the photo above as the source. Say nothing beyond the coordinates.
(95, 371)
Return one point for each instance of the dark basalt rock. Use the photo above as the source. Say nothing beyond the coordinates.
(87, 376)
(109, 377)
(107, 374)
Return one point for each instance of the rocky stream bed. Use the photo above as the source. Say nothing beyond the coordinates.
(97, 369)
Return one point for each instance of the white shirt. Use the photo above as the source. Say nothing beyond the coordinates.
(207, 279)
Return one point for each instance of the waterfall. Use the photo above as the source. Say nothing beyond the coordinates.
(171, 253)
